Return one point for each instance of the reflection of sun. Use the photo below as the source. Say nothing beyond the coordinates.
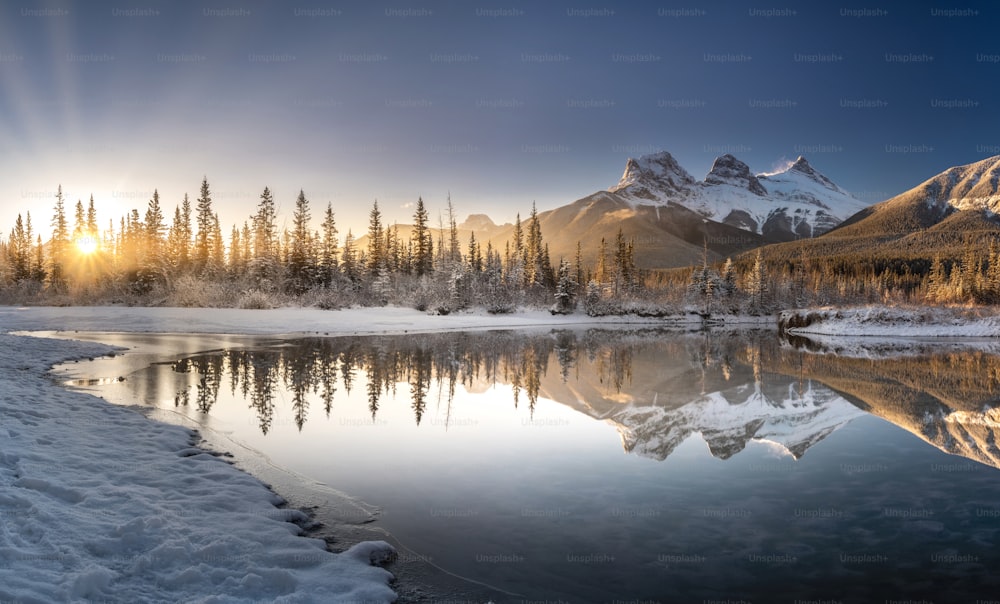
(86, 245)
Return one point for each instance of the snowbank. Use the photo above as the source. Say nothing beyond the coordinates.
(99, 503)
(352, 321)
(892, 322)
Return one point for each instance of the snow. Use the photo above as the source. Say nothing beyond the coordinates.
(294, 320)
(896, 322)
(802, 193)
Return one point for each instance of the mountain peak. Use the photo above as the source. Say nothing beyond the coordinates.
(478, 222)
(801, 164)
(727, 170)
(650, 176)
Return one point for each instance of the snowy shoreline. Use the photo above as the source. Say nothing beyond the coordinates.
(101, 502)
(892, 322)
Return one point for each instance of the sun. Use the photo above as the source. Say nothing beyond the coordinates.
(86, 245)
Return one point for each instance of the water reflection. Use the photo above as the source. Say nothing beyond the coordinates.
(947, 394)
(483, 452)
(730, 390)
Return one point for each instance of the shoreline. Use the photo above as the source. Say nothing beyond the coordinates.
(90, 517)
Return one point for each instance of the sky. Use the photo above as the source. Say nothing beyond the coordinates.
(499, 104)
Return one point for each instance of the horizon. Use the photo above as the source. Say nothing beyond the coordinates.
(497, 106)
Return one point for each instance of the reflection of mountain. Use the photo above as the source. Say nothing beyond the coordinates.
(657, 389)
(950, 399)
(705, 385)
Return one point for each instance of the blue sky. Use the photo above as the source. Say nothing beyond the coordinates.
(499, 103)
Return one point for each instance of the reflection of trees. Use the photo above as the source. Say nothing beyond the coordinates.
(316, 368)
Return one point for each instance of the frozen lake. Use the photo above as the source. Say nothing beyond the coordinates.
(603, 465)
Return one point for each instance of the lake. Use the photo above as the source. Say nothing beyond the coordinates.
(599, 465)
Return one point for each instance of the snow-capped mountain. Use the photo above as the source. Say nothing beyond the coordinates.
(794, 421)
(789, 204)
(942, 216)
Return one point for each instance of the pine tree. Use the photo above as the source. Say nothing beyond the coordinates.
(179, 237)
(217, 249)
(937, 281)
(152, 258)
(727, 284)
(38, 272)
(423, 242)
(330, 248)
(79, 222)
(566, 287)
(264, 265)
(757, 286)
(19, 250)
(602, 277)
(454, 249)
(59, 244)
(300, 271)
(92, 228)
(475, 255)
(205, 219)
(578, 267)
(376, 240)
(349, 259)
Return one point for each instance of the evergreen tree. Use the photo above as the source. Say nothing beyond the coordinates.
(92, 228)
(59, 244)
(264, 265)
(153, 260)
(376, 240)
(329, 249)
(578, 267)
(38, 272)
(757, 286)
(423, 242)
(565, 290)
(937, 281)
(205, 219)
(349, 259)
(179, 237)
(217, 248)
(602, 276)
(454, 249)
(299, 256)
(475, 255)
(79, 222)
(19, 250)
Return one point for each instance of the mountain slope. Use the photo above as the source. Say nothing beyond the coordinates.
(940, 216)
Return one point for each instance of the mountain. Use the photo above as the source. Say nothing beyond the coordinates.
(785, 205)
(673, 217)
(939, 216)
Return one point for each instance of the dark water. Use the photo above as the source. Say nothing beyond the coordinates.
(604, 466)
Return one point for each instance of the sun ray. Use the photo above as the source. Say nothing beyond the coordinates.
(86, 245)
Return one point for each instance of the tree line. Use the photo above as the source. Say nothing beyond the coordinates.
(144, 259)
(190, 261)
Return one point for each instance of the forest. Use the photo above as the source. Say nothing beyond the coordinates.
(190, 261)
